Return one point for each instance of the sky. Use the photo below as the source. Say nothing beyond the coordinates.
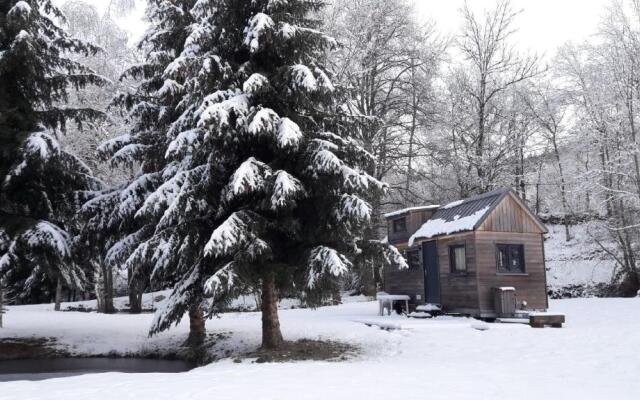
(543, 25)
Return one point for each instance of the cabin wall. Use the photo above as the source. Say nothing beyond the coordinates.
(414, 219)
(530, 286)
(509, 216)
(459, 292)
(407, 281)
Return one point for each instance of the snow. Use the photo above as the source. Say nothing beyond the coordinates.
(354, 208)
(21, 6)
(220, 112)
(285, 189)
(428, 307)
(453, 204)
(388, 297)
(46, 233)
(435, 227)
(170, 88)
(580, 261)
(411, 209)
(591, 357)
(220, 281)
(112, 145)
(259, 24)
(249, 177)
(287, 31)
(183, 141)
(255, 83)
(265, 121)
(303, 78)
(228, 236)
(289, 134)
(326, 261)
(42, 145)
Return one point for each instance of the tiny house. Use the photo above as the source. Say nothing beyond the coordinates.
(482, 256)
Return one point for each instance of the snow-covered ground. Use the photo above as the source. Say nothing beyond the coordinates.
(593, 357)
(580, 261)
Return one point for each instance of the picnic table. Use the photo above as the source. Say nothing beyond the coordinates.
(386, 301)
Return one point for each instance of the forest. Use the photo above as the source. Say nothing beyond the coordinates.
(252, 148)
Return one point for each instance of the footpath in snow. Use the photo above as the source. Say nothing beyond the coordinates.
(593, 357)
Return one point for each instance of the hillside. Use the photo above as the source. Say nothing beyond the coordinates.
(579, 267)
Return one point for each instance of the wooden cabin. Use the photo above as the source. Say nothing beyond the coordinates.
(469, 256)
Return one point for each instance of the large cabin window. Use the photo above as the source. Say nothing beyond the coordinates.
(399, 225)
(510, 258)
(458, 258)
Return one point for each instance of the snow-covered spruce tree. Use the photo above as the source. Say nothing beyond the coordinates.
(261, 183)
(41, 184)
(111, 220)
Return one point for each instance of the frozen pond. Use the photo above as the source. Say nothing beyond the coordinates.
(36, 370)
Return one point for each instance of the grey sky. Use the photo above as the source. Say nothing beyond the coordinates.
(542, 26)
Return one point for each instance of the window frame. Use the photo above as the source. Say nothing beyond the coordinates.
(397, 220)
(453, 267)
(508, 248)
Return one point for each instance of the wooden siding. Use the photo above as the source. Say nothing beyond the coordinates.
(415, 219)
(458, 291)
(530, 286)
(407, 281)
(510, 216)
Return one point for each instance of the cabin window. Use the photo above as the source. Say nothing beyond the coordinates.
(458, 258)
(399, 225)
(413, 258)
(510, 258)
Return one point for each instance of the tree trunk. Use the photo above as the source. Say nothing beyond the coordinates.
(197, 330)
(135, 295)
(108, 306)
(58, 295)
(135, 300)
(271, 335)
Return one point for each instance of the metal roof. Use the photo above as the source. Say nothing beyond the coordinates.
(470, 206)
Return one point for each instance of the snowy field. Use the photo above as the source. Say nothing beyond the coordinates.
(593, 357)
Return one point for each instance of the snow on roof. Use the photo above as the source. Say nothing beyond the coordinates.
(459, 216)
(435, 227)
(453, 204)
(406, 210)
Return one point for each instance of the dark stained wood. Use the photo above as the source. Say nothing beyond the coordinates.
(510, 216)
(458, 290)
(530, 286)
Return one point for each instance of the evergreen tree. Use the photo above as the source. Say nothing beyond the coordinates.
(111, 222)
(262, 184)
(41, 184)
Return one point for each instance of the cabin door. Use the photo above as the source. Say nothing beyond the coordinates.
(431, 272)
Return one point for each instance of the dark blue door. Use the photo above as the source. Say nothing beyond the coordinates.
(431, 272)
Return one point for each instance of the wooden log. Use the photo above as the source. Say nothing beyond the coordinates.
(539, 321)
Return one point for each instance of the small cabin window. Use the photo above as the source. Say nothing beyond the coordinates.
(458, 258)
(399, 225)
(413, 258)
(510, 258)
